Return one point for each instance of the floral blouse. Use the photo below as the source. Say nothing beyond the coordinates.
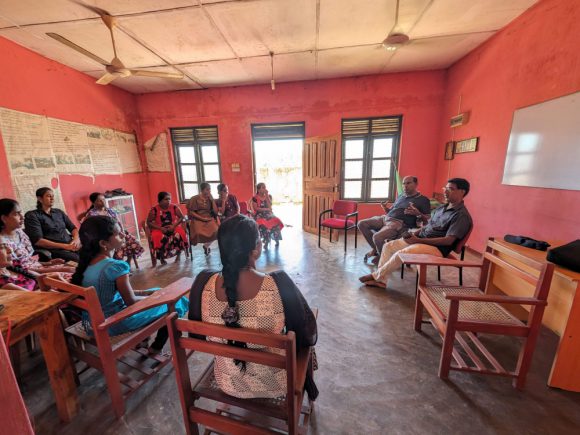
(21, 247)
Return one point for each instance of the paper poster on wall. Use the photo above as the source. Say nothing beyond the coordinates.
(70, 147)
(157, 153)
(27, 143)
(25, 187)
(101, 142)
(127, 151)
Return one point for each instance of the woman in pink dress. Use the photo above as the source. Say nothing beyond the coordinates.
(270, 226)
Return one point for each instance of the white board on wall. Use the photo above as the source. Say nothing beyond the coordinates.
(544, 145)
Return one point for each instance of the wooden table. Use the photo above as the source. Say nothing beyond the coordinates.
(38, 312)
(562, 314)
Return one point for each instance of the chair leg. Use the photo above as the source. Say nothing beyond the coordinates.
(355, 235)
(460, 276)
(345, 237)
(319, 232)
(418, 320)
(135, 261)
(402, 271)
(446, 353)
(525, 359)
(438, 273)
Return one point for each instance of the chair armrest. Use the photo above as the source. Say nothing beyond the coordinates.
(324, 212)
(494, 298)
(433, 260)
(352, 214)
(170, 294)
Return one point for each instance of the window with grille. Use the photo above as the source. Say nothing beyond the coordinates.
(369, 156)
(197, 160)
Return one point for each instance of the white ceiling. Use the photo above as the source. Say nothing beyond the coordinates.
(227, 42)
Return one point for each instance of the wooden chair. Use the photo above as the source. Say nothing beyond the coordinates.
(282, 414)
(340, 213)
(461, 313)
(126, 366)
(458, 249)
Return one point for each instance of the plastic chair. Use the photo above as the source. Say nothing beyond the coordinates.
(340, 213)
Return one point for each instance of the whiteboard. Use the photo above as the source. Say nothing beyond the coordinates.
(544, 145)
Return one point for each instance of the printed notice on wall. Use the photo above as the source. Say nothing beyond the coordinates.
(127, 150)
(157, 154)
(70, 147)
(27, 143)
(103, 150)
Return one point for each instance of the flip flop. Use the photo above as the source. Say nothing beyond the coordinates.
(366, 278)
(374, 283)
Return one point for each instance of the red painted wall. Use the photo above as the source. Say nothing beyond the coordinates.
(535, 58)
(320, 104)
(34, 84)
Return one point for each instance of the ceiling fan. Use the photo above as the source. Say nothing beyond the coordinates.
(395, 40)
(115, 68)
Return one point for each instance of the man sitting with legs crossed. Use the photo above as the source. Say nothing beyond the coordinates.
(449, 224)
(400, 216)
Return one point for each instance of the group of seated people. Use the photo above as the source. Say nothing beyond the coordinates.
(237, 296)
(393, 233)
(205, 214)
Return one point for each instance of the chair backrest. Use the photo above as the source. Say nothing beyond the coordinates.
(197, 342)
(523, 267)
(87, 298)
(342, 207)
(461, 243)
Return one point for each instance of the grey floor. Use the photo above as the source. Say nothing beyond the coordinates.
(376, 375)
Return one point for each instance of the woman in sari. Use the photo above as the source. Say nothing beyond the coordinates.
(131, 249)
(227, 204)
(202, 212)
(167, 235)
(270, 226)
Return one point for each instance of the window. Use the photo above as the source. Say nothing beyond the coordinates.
(369, 156)
(196, 152)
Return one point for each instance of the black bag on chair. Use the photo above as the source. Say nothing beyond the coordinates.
(567, 255)
(527, 242)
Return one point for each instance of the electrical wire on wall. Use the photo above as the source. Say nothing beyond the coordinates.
(272, 82)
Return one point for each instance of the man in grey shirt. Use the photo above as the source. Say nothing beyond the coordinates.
(449, 224)
(400, 216)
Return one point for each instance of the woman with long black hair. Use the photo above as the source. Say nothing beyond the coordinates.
(240, 296)
(100, 237)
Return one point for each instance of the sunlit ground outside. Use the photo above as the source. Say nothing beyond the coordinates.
(279, 165)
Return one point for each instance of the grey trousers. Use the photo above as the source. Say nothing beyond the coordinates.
(379, 229)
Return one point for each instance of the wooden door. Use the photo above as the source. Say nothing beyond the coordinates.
(321, 178)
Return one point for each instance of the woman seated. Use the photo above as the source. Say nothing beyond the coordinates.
(202, 212)
(100, 237)
(22, 253)
(51, 229)
(227, 204)
(131, 249)
(240, 296)
(270, 226)
(9, 278)
(167, 235)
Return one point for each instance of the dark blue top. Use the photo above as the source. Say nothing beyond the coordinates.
(397, 211)
(54, 226)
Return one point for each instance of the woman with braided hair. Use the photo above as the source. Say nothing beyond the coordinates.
(241, 296)
(100, 237)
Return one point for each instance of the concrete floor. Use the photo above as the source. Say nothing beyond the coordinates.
(376, 374)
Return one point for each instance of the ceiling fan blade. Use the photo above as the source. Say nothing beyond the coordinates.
(76, 47)
(107, 78)
(159, 74)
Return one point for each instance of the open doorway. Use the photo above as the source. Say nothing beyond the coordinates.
(278, 163)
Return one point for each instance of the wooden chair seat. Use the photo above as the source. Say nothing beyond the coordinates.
(208, 387)
(469, 310)
(77, 330)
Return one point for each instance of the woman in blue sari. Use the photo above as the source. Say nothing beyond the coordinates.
(101, 236)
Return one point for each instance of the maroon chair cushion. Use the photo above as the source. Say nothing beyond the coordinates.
(336, 223)
(342, 207)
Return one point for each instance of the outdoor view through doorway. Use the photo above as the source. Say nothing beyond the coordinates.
(278, 163)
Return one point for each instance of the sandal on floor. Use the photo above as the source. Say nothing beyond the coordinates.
(366, 278)
(369, 254)
(374, 283)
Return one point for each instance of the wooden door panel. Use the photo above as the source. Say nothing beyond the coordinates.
(321, 183)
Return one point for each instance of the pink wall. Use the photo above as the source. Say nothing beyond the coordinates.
(34, 84)
(535, 58)
(321, 104)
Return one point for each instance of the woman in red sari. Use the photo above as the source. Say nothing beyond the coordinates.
(270, 226)
(167, 235)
